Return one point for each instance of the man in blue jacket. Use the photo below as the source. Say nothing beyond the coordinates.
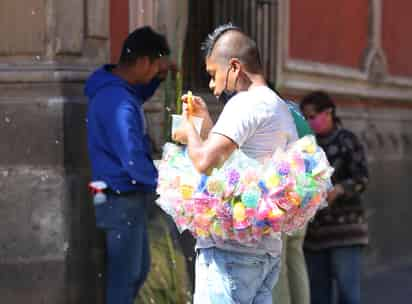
(119, 151)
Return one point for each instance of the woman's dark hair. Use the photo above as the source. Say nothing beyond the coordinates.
(320, 101)
(142, 42)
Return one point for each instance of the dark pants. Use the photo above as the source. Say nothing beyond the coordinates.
(342, 264)
(123, 218)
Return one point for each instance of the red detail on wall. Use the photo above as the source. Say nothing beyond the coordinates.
(396, 36)
(119, 27)
(334, 32)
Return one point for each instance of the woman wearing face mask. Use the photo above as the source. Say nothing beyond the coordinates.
(334, 240)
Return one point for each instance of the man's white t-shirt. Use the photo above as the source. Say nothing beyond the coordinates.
(259, 122)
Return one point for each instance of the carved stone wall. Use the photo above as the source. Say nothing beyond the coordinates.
(49, 250)
(385, 132)
(357, 56)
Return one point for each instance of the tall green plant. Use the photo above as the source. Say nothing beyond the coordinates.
(174, 87)
(179, 76)
(168, 281)
(168, 97)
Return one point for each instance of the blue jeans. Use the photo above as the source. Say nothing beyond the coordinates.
(342, 264)
(224, 277)
(123, 218)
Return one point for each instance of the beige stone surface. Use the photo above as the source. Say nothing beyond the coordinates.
(22, 27)
(69, 26)
(98, 18)
(167, 16)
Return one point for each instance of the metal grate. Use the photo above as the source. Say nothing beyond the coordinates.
(256, 17)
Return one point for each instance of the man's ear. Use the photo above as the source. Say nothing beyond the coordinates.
(235, 64)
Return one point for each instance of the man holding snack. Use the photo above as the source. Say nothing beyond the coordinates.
(256, 121)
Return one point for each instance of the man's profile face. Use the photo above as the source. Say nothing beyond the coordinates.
(165, 64)
(147, 69)
(153, 68)
(218, 74)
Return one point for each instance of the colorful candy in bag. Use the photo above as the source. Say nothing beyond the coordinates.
(245, 200)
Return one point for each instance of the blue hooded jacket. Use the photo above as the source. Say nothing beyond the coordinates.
(119, 147)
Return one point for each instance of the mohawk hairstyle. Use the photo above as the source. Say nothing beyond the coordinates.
(209, 43)
(235, 45)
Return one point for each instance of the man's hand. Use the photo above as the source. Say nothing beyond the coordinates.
(199, 109)
(181, 134)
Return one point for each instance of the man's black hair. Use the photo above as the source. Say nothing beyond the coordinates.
(209, 43)
(239, 45)
(143, 42)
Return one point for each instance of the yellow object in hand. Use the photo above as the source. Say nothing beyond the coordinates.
(189, 102)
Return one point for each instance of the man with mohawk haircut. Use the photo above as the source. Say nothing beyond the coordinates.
(257, 121)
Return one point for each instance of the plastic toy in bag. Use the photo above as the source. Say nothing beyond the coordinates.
(245, 200)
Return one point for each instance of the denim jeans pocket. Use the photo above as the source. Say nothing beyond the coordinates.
(120, 212)
(245, 274)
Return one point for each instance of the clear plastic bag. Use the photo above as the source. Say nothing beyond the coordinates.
(245, 200)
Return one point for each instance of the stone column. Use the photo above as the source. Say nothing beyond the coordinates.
(48, 252)
(170, 17)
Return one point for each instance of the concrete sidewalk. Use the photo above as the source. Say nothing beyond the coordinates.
(393, 286)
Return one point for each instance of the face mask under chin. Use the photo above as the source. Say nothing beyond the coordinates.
(226, 95)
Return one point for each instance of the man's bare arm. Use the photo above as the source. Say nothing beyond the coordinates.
(210, 153)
